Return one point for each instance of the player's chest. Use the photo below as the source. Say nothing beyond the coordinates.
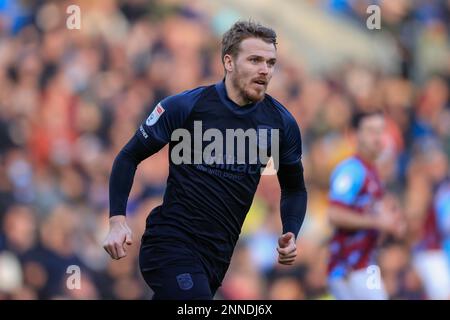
(372, 190)
(219, 117)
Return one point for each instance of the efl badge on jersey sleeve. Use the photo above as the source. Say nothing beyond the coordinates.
(154, 116)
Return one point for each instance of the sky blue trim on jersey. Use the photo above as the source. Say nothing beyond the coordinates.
(347, 180)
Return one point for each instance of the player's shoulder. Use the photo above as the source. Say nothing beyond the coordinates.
(347, 178)
(185, 98)
(352, 166)
(283, 112)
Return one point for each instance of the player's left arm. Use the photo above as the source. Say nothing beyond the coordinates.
(293, 191)
(292, 209)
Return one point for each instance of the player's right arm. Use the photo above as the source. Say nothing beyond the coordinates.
(120, 183)
(346, 218)
(152, 136)
(385, 220)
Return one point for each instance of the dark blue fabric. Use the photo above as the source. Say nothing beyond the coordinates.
(293, 197)
(123, 171)
(182, 277)
(205, 205)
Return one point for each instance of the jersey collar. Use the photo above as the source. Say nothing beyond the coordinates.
(234, 107)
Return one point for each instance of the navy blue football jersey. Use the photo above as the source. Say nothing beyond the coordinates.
(205, 203)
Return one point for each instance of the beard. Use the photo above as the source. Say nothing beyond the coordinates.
(245, 89)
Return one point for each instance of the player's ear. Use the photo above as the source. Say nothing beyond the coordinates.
(228, 62)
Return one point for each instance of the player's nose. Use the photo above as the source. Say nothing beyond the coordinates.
(264, 69)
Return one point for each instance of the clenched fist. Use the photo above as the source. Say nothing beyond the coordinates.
(119, 237)
(287, 250)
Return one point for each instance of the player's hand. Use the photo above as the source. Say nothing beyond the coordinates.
(119, 237)
(386, 222)
(390, 218)
(287, 250)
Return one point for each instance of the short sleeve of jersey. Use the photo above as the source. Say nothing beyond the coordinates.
(347, 180)
(168, 115)
(442, 208)
(291, 143)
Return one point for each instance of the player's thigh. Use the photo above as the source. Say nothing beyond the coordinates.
(366, 285)
(178, 283)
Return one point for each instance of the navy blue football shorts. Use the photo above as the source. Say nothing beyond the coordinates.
(173, 273)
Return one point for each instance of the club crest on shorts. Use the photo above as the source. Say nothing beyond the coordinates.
(154, 116)
(185, 281)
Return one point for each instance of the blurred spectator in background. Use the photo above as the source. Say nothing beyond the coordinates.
(400, 278)
(69, 99)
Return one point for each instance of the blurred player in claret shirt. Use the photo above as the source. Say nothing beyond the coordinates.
(189, 239)
(359, 213)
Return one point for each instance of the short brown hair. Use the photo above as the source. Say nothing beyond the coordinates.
(359, 116)
(242, 30)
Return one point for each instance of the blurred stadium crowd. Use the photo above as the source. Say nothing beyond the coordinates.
(70, 99)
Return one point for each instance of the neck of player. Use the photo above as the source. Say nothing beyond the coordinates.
(233, 93)
(368, 157)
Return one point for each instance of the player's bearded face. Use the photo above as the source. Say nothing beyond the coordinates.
(251, 88)
(253, 69)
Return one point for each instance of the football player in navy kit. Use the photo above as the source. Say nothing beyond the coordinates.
(189, 239)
